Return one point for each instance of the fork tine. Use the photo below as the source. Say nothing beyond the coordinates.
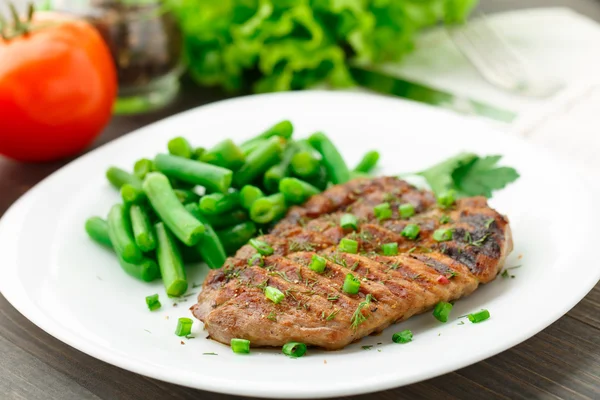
(491, 50)
(487, 62)
(497, 61)
(512, 59)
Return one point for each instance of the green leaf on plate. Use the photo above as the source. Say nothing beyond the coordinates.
(439, 176)
(469, 175)
(481, 176)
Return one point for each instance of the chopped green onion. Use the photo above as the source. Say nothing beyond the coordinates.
(349, 221)
(262, 247)
(240, 346)
(403, 337)
(411, 231)
(348, 246)
(294, 349)
(351, 284)
(479, 316)
(442, 311)
(390, 249)
(318, 263)
(444, 219)
(406, 210)
(447, 199)
(152, 302)
(442, 235)
(383, 211)
(184, 326)
(274, 294)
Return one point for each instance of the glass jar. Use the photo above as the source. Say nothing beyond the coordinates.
(146, 44)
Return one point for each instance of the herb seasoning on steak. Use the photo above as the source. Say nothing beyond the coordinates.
(315, 309)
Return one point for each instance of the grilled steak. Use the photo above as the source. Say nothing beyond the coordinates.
(315, 310)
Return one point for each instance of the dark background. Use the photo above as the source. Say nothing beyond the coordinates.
(563, 361)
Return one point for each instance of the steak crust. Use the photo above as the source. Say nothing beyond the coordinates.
(315, 310)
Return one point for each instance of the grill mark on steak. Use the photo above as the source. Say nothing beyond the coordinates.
(348, 198)
(232, 302)
(425, 275)
(384, 302)
(412, 281)
(285, 242)
(342, 195)
(296, 306)
(309, 282)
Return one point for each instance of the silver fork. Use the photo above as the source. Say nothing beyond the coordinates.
(497, 62)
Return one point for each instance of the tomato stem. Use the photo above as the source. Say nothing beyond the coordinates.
(30, 11)
(15, 15)
(3, 24)
(19, 27)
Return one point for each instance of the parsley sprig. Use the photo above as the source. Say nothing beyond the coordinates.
(469, 175)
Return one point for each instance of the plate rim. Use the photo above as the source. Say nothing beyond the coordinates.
(24, 305)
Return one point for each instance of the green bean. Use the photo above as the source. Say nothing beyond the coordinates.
(283, 129)
(296, 191)
(279, 171)
(225, 154)
(251, 146)
(164, 201)
(190, 255)
(118, 177)
(121, 236)
(236, 236)
(186, 196)
(213, 178)
(143, 167)
(170, 262)
(132, 194)
(356, 175)
(305, 163)
(368, 162)
(198, 152)
(180, 147)
(179, 184)
(146, 270)
(260, 160)
(142, 229)
(227, 220)
(210, 248)
(320, 179)
(249, 194)
(97, 229)
(218, 203)
(337, 170)
(268, 209)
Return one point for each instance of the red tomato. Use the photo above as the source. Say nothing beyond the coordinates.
(57, 88)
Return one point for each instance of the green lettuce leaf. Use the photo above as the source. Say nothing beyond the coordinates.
(276, 45)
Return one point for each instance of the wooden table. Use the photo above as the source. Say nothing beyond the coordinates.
(563, 361)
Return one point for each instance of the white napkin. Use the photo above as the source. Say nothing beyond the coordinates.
(557, 41)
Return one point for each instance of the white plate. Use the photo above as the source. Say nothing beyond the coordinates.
(73, 289)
